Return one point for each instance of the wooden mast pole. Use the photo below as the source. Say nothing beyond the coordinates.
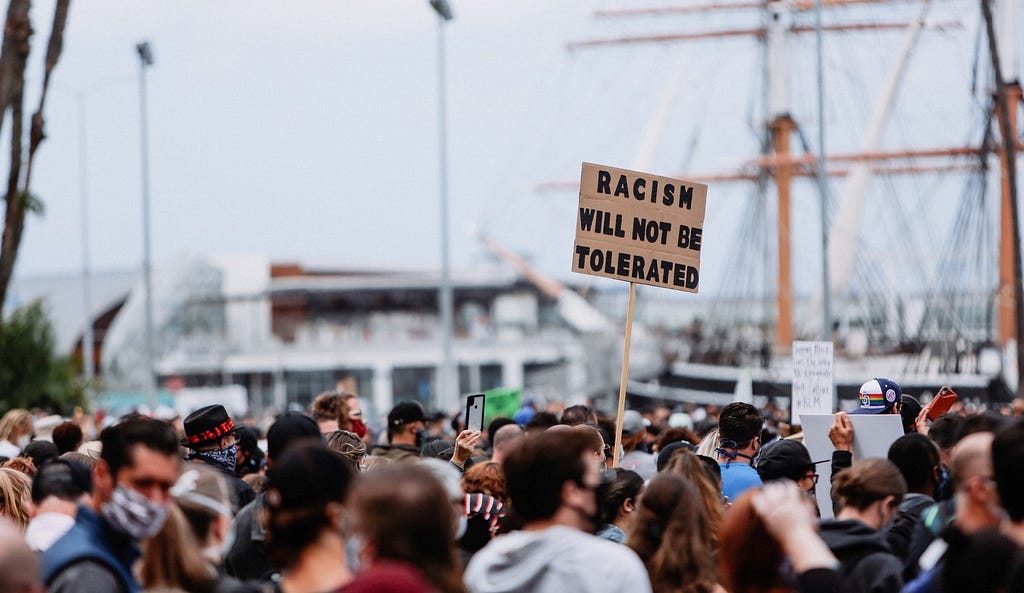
(782, 128)
(1007, 302)
(1006, 115)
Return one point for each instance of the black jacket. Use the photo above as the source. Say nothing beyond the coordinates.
(246, 559)
(866, 563)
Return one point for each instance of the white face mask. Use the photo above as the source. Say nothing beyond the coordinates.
(23, 441)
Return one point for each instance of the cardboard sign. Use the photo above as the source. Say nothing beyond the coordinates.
(639, 227)
(812, 379)
(872, 436)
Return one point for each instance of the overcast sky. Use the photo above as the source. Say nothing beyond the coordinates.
(307, 130)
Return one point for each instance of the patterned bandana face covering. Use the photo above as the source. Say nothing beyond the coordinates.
(133, 514)
(226, 458)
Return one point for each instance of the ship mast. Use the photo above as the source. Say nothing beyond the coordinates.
(781, 127)
(1008, 98)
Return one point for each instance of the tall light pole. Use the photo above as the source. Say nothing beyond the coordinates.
(145, 61)
(88, 339)
(88, 342)
(447, 380)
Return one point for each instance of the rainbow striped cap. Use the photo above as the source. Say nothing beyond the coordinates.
(878, 396)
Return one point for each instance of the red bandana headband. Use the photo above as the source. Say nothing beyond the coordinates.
(211, 434)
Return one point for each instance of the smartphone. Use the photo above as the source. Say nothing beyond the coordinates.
(942, 402)
(475, 412)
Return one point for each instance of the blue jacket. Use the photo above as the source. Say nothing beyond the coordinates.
(92, 538)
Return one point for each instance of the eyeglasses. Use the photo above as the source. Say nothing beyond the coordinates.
(812, 477)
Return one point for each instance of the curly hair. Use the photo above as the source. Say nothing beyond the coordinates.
(332, 405)
(351, 447)
(486, 478)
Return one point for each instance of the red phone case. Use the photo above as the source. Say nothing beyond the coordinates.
(942, 403)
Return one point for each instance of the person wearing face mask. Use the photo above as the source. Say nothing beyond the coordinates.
(868, 495)
(355, 413)
(15, 432)
(212, 439)
(789, 460)
(246, 557)
(186, 552)
(739, 440)
(132, 480)
(403, 517)
(406, 425)
(553, 485)
(305, 506)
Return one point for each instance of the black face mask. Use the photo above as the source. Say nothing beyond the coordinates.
(421, 438)
(595, 518)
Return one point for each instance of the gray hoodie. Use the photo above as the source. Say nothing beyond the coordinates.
(556, 560)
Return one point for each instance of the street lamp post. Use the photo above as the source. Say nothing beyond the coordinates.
(145, 61)
(88, 342)
(447, 381)
(88, 337)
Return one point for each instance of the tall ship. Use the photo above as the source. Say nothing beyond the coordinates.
(862, 158)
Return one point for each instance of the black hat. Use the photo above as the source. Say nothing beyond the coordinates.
(406, 412)
(666, 452)
(288, 428)
(784, 459)
(207, 424)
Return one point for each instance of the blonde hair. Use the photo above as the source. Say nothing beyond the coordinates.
(15, 496)
(13, 420)
(708, 444)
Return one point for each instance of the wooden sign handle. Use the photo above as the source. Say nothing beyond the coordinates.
(622, 380)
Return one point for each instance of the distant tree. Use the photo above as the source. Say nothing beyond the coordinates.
(14, 52)
(31, 374)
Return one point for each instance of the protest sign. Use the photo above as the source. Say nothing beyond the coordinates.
(872, 436)
(639, 227)
(812, 379)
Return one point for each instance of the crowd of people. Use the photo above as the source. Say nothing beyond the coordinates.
(701, 500)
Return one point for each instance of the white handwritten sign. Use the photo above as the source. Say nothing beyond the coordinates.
(812, 378)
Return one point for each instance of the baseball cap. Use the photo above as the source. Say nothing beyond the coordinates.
(666, 452)
(785, 459)
(406, 412)
(878, 396)
(632, 423)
